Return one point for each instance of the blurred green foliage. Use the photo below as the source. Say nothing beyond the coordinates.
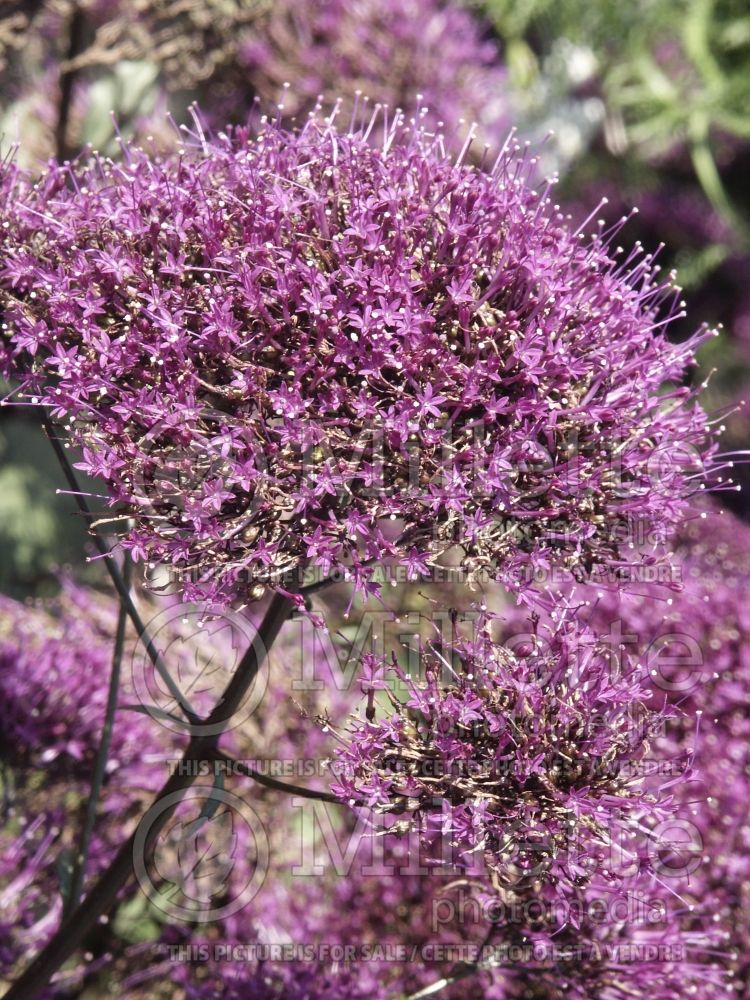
(124, 94)
(672, 72)
(39, 529)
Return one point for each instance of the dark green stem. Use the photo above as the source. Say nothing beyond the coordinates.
(103, 895)
(237, 766)
(114, 572)
(67, 81)
(100, 764)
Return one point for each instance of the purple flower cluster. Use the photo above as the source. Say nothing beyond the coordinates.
(272, 348)
(354, 925)
(55, 662)
(397, 53)
(696, 643)
(54, 666)
(719, 813)
(640, 940)
(604, 940)
(530, 758)
(693, 638)
(291, 355)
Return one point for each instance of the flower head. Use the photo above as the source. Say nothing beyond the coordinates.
(532, 758)
(272, 348)
(695, 643)
(694, 637)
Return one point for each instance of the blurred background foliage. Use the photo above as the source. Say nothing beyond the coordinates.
(38, 530)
